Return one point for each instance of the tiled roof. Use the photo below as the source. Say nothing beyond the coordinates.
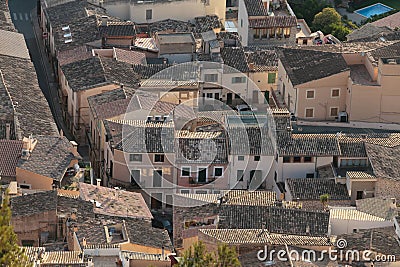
(368, 30)
(115, 202)
(379, 240)
(235, 58)
(170, 25)
(392, 21)
(74, 14)
(72, 55)
(51, 157)
(119, 72)
(248, 135)
(206, 23)
(392, 50)
(68, 193)
(130, 57)
(360, 175)
(34, 203)
(5, 17)
(150, 137)
(143, 234)
(31, 110)
(353, 214)
(305, 65)
(11, 45)
(144, 256)
(201, 147)
(313, 188)
(10, 152)
(118, 29)
(258, 236)
(255, 8)
(348, 47)
(297, 221)
(62, 257)
(384, 160)
(264, 60)
(380, 207)
(84, 74)
(273, 21)
(281, 119)
(307, 144)
(352, 147)
(148, 71)
(236, 197)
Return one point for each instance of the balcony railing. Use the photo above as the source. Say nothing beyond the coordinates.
(195, 180)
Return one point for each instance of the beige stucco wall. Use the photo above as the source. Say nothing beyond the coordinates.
(36, 181)
(323, 100)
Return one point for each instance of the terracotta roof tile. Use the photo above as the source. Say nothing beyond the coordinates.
(10, 152)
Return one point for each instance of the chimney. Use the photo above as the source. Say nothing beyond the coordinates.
(8, 131)
(28, 146)
(84, 242)
(104, 20)
(266, 4)
(74, 148)
(251, 66)
(98, 182)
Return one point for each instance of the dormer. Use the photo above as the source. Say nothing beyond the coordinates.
(28, 146)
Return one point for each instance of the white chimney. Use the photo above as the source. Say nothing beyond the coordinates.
(74, 148)
(104, 20)
(8, 131)
(266, 4)
(98, 182)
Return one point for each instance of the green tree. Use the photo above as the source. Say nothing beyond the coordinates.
(340, 31)
(324, 200)
(197, 256)
(10, 253)
(307, 9)
(326, 19)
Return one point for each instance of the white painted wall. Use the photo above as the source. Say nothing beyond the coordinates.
(346, 226)
(243, 17)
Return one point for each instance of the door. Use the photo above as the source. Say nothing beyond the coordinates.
(229, 98)
(266, 97)
(202, 176)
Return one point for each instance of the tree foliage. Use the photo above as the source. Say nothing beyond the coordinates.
(324, 200)
(340, 31)
(10, 253)
(307, 9)
(197, 256)
(326, 19)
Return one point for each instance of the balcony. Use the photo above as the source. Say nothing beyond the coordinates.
(194, 181)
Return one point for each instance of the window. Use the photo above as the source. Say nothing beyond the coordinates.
(310, 175)
(334, 112)
(310, 94)
(256, 158)
(135, 176)
(240, 158)
(238, 79)
(209, 95)
(157, 175)
(185, 172)
(201, 192)
(158, 158)
(360, 194)
(309, 112)
(297, 159)
(185, 191)
(286, 32)
(211, 77)
(218, 171)
(271, 77)
(335, 92)
(135, 157)
(240, 175)
(286, 159)
(216, 96)
(149, 14)
(241, 23)
(307, 159)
